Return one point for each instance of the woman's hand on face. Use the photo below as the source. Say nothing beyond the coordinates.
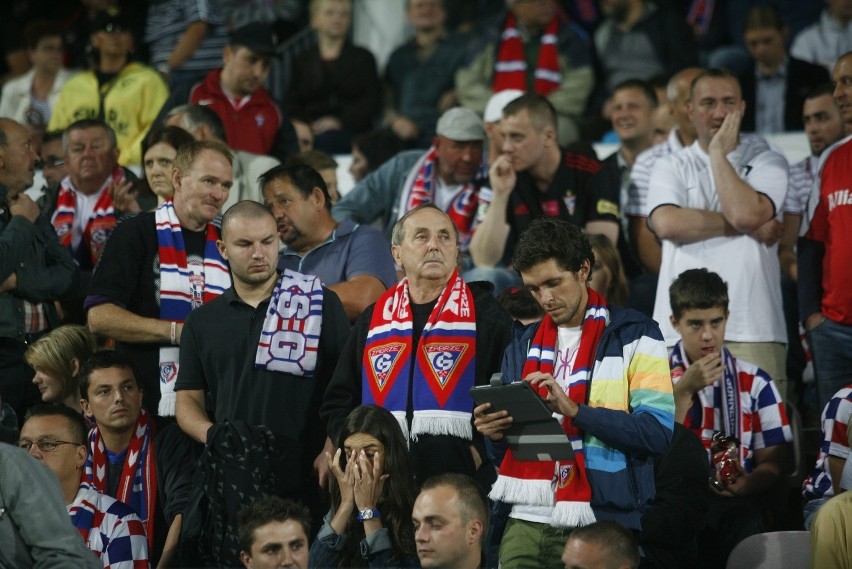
(369, 480)
(345, 477)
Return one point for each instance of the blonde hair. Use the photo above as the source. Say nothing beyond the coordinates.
(189, 153)
(55, 352)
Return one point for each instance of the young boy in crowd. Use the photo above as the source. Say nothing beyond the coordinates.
(716, 393)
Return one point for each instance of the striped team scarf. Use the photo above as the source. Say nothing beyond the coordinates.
(701, 416)
(421, 185)
(700, 16)
(289, 341)
(98, 228)
(510, 68)
(531, 483)
(182, 290)
(138, 485)
(441, 371)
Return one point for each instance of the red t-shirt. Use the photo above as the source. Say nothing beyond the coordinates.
(832, 226)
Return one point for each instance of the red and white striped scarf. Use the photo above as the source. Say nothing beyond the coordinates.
(531, 483)
(98, 227)
(138, 485)
(421, 185)
(510, 67)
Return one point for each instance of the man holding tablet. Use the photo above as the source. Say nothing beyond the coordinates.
(602, 369)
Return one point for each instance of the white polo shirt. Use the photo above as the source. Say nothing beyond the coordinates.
(751, 269)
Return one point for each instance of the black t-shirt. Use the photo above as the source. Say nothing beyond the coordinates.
(218, 350)
(128, 275)
(570, 197)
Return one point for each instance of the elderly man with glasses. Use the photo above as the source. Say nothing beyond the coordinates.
(56, 436)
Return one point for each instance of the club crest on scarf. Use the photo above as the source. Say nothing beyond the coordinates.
(566, 475)
(443, 359)
(168, 372)
(383, 360)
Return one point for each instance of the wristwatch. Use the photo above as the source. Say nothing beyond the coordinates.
(368, 514)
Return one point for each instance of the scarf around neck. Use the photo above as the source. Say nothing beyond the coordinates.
(289, 342)
(182, 289)
(532, 483)
(701, 416)
(98, 227)
(422, 184)
(138, 484)
(510, 67)
(440, 373)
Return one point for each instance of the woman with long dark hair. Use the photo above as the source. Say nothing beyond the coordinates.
(372, 495)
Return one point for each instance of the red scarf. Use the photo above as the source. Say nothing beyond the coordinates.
(421, 185)
(510, 68)
(531, 483)
(138, 485)
(99, 226)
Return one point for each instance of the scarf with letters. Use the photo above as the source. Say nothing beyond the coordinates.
(440, 371)
(290, 338)
(531, 483)
(421, 185)
(138, 485)
(510, 68)
(701, 417)
(98, 227)
(182, 290)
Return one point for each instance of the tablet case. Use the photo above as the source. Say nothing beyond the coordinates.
(535, 433)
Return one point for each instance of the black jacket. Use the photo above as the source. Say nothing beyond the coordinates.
(801, 78)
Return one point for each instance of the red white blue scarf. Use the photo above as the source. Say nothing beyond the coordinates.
(138, 485)
(441, 372)
(289, 341)
(421, 185)
(510, 67)
(98, 228)
(700, 418)
(182, 290)
(531, 483)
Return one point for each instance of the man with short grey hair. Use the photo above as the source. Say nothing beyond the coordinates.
(449, 174)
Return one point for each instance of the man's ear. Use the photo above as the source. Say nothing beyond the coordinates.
(474, 531)
(80, 458)
(318, 198)
(176, 179)
(87, 411)
(674, 323)
(220, 245)
(246, 559)
(584, 271)
(75, 366)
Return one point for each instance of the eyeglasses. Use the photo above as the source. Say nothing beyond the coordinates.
(45, 445)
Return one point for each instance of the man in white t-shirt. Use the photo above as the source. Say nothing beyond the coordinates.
(716, 205)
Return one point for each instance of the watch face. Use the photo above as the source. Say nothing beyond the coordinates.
(366, 514)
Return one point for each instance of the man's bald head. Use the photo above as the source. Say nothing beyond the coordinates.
(246, 209)
(677, 94)
(17, 157)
